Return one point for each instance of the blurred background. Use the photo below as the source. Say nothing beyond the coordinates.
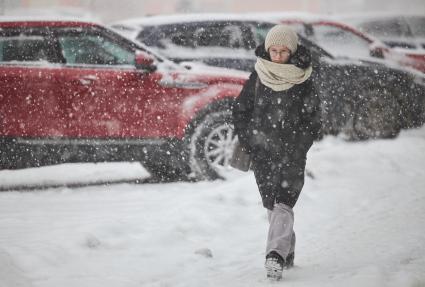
(112, 10)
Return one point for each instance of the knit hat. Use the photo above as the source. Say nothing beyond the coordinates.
(282, 35)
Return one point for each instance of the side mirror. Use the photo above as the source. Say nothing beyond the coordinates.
(144, 61)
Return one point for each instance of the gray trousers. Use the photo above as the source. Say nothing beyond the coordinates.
(281, 237)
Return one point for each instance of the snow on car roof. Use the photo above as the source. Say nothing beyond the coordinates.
(58, 12)
(356, 18)
(186, 18)
(45, 20)
(277, 16)
(12, 21)
(33, 18)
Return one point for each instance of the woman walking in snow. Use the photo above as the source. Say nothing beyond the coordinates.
(276, 118)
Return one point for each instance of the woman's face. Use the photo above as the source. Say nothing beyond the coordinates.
(279, 54)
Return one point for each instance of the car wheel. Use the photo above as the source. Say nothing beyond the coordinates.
(211, 146)
(377, 116)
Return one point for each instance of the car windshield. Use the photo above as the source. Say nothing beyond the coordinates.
(396, 32)
(137, 45)
(340, 42)
(417, 26)
(197, 41)
(386, 28)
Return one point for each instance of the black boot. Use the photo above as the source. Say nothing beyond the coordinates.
(289, 261)
(274, 266)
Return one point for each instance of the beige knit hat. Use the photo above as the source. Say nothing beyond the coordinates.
(282, 35)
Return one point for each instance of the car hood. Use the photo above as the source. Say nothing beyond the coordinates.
(200, 76)
(378, 64)
(380, 69)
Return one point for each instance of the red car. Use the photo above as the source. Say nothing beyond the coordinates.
(74, 91)
(404, 33)
(344, 40)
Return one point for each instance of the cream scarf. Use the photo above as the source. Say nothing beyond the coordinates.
(280, 77)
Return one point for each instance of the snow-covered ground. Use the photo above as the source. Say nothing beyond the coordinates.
(360, 221)
(71, 174)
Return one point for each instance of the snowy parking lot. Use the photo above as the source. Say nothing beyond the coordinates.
(360, 221)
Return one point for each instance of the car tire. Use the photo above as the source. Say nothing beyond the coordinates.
(7, 160)
(211, 145)
(377, 116)
(3, 158)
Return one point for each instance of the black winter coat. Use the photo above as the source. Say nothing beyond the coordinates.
(279, 129)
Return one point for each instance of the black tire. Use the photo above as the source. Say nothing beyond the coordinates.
(7, 159)
(211, 145)
(3, 157)
(377, 116)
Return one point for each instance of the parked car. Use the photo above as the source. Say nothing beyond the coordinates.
(219, 40)
(340, 78)
(343, 40)
(73, 91)
(227, 40)
(404, 33)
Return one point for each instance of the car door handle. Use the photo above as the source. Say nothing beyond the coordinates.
(87, 80)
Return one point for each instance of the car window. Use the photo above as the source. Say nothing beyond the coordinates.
(94, 49)
(300, 28)
(394, 32)
(387, 28)
(150, 36)
(164, 35)
(184, 35)
(260, 32)
(212, 35)
(26, 48)
(193, 35)
(229, 36)
(417, 26)
(340, 42)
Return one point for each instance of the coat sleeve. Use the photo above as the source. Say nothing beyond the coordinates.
(312, 116)
(242, 111)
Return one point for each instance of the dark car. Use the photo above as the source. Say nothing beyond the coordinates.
(221, 40)
(366, 99)
(363, 97)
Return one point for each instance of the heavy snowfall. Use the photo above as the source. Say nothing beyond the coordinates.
(359, 222)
